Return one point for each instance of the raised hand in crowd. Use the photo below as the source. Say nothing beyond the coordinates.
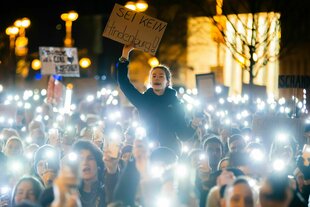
(65, 186)
(111, 162)
(141, 155)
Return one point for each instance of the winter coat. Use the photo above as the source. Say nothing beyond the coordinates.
(162, 116)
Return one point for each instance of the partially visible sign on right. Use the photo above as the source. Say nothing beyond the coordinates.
(294, 81)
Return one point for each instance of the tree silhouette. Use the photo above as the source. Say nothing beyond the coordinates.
(250, 29)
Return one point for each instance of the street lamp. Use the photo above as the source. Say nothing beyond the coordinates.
(153, 62)
(12, 31)
(36, 64)
(22, 41)
(69, 18)
(139, 6)
(85, 63)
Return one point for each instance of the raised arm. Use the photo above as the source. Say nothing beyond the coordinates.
(126, 51)
(133, 95)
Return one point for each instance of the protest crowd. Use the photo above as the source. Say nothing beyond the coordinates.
(101, 153)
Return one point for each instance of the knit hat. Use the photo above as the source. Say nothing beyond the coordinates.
(163, 155)
(126, 148)
(235, 137)
(50, 154)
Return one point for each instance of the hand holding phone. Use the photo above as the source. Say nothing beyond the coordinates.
(225, 178)
(4, 200)
(306, 154)
(65, 184)
(112, 145)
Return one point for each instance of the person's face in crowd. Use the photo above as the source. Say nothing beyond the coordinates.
(41, 167)
(224, 134)
(87, 133)
(35, 125)
(38, 136)
(240, 195)
(24, 191)
(126, 156)
(158, 79)
(54, 137)
(265, 200)
(237, 145)
(214, 152)
(88, 166)
(223, 164)
(13, 148)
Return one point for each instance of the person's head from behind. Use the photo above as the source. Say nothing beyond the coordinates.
(275, 191)
(162, 159)
(160, 78)
(38, 136)
(213, 146)
(28, 188)
(13, 147)
(126, 153)
(240, 160)
(239, 194)
(6, 133)
(236, 142)
(224, 132)
(163, 155)
(91, 163)
(35, 124)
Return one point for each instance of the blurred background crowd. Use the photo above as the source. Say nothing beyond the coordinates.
(244, 152)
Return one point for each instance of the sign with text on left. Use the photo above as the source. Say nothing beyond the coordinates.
(59, 60)
(127, 26)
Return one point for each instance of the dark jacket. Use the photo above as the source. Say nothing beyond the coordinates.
(163, 116)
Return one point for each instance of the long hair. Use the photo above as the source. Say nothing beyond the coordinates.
(36, 185)
(83, 144)
(167, 73)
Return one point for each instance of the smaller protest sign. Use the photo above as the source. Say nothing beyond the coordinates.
(206, 84)
(60, 61)
(294, 81)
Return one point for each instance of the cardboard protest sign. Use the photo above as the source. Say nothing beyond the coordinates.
(127, 26)
(60, 61)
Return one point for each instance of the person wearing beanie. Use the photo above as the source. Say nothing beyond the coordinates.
(99, 173)
(46, 164)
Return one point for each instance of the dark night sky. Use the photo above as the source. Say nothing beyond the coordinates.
(47, 28)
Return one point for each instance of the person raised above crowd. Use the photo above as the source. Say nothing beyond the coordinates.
(159, 108)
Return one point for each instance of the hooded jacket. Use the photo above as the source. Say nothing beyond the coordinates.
(162, 116)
